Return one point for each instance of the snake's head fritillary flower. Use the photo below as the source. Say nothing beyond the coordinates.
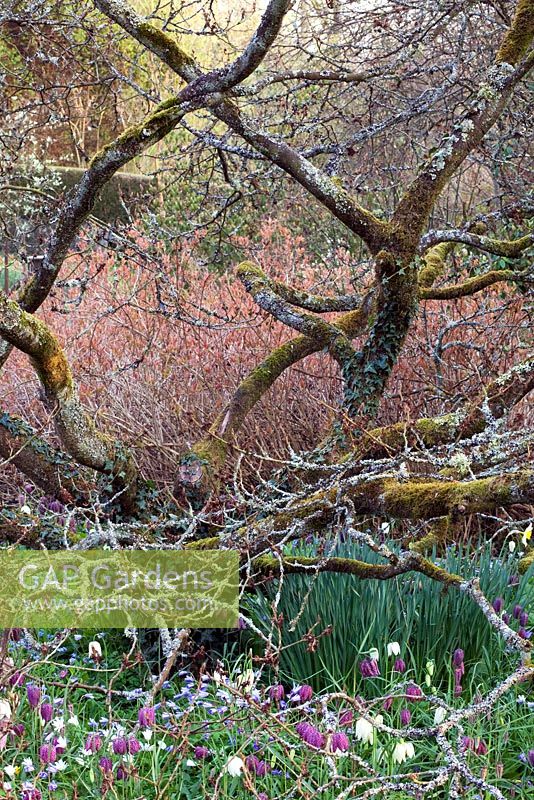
(405, 717)
(481, 748)
(277, 692)
(34, 695)
(5, 710)
(17, 679)
(95, 651)
(30, 793)
(47, 712)
(498, 604)
(234, 766)
(310, 735)
(120, 746)
(305, 693)
(369, 668)
(259, 768)
(468, 743)
(388, 702)
(403, 750)
(146, 716)
(18, 729)
(346, 717)
(414, 692)
(364, 730)
(48, 753)
(339, 743)
(93, 743)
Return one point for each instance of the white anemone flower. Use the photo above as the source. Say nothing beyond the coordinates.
(234, 766)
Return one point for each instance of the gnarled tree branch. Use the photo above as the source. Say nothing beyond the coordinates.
(74, 426)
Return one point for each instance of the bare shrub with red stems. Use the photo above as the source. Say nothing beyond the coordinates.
(155, 371)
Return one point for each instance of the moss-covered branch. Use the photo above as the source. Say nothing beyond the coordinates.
(518, 38)
(416, 500)
(327, 335)
(512, 248)
(211, 451)
(297, 297)
(473, 285)
(45, 466)
(433, 264)
(358, 219)
(75, 428)
(408, 562)
(497, 399)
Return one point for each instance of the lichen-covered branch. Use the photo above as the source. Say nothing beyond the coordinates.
(81, 199)
(75, 428)
(251, 275)
(224, 78)
(499, 247)
(327, 335)
(498, 399)
(211, 451)
(358, 219)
